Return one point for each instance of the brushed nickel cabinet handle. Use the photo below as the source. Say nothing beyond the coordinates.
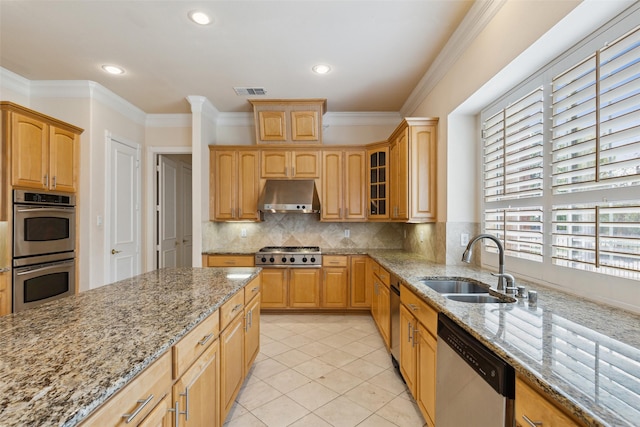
(414, 307)
(236, 307)
(141, 404)
(205, 339)
(176, 414)
(186, 403)
(531, 423)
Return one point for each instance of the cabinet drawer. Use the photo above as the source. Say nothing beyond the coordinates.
(536, 408)
(231, 308)
(420, 309)
(384, 276)
(230, 261)
(251, 290)
(334, 260)
(136, 399)
(192, 345)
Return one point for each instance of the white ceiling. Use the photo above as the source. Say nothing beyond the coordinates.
(379, 50)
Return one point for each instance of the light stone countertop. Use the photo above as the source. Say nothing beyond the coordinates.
(583, 355)
(61, 360)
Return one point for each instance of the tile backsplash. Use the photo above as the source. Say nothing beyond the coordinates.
(300, 230)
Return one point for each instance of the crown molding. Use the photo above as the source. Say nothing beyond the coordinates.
(473, 23)
(14, 82)
(89, 90)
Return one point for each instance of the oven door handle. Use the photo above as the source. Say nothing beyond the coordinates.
(37, 270)
(63, 210)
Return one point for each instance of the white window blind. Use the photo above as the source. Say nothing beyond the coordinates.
(596, 120)
(513, 150)
(602, 238)
(519, 229)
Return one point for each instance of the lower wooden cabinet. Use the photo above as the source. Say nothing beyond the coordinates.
(304, 287)
(418, 345)
(231, 364)
(275, 288)
(381, 312)
(359, 287)
(195, 393)
(251, 332)
(532, 408)
(5, 294)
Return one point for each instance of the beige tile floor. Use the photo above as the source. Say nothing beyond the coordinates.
(317, 370)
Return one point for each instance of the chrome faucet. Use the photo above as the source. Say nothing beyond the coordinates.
(502, 276)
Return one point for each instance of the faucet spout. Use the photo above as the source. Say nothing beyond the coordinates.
(466, 256)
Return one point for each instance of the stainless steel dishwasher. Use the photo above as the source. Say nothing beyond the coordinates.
(474, 387)
(395, 320)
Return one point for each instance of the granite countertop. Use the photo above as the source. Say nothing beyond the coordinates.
(61, 360)
(583, 355)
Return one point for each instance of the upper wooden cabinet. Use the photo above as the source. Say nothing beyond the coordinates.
(44, 153)
(287, 121)
(412, 169)
(300, 164)
(234, 181)
(378, 181)
(343, 185)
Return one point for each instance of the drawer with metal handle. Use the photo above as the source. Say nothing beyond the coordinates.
(231, 309)
(192, 345)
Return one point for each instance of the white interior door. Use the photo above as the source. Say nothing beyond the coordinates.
(124, 211)
(186, 219)
(168, 213)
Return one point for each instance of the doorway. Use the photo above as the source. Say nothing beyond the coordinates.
(173, 219)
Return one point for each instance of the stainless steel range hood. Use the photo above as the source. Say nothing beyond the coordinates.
(289, 195)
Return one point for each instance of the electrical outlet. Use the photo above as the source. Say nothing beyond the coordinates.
(421, 236)
(243, 232)
(347, 233)
(464, 239)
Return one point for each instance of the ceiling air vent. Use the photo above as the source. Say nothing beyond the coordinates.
(250, 91)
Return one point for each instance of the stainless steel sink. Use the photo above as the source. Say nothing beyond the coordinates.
(479, 298)
(455, 286)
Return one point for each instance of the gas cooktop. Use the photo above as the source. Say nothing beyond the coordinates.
(289, 256)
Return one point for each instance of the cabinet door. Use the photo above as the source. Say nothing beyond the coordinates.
(248, 185)
(275, 289)
(252, 332)
(378, 182)
(272, 125)
(423, 173)
(335, 287)
(385, 313)
(223, 181)
(160, 416)
(426, 374)
(29, 152)
(332, 185)
(196, 391)
(399, 175)
(231, 364)
(5, 294)
(354, 185)
(63, 160)
(305, 164)
(304, 287)
(304, 125)
(359, 286)
(533, 406)
(274, 164)
(408, 351)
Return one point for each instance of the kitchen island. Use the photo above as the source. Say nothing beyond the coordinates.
(61, 360)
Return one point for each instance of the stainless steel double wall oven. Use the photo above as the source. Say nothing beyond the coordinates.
(44, 242)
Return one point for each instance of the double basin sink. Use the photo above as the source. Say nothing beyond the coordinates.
(462, 290)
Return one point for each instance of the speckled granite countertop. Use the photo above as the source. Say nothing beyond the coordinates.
(61, 360)
(585, 356)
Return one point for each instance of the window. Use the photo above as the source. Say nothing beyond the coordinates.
(585, 119)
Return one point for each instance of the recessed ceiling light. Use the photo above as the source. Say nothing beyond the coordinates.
(113, 69)
(321, 69)
(199, 17)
